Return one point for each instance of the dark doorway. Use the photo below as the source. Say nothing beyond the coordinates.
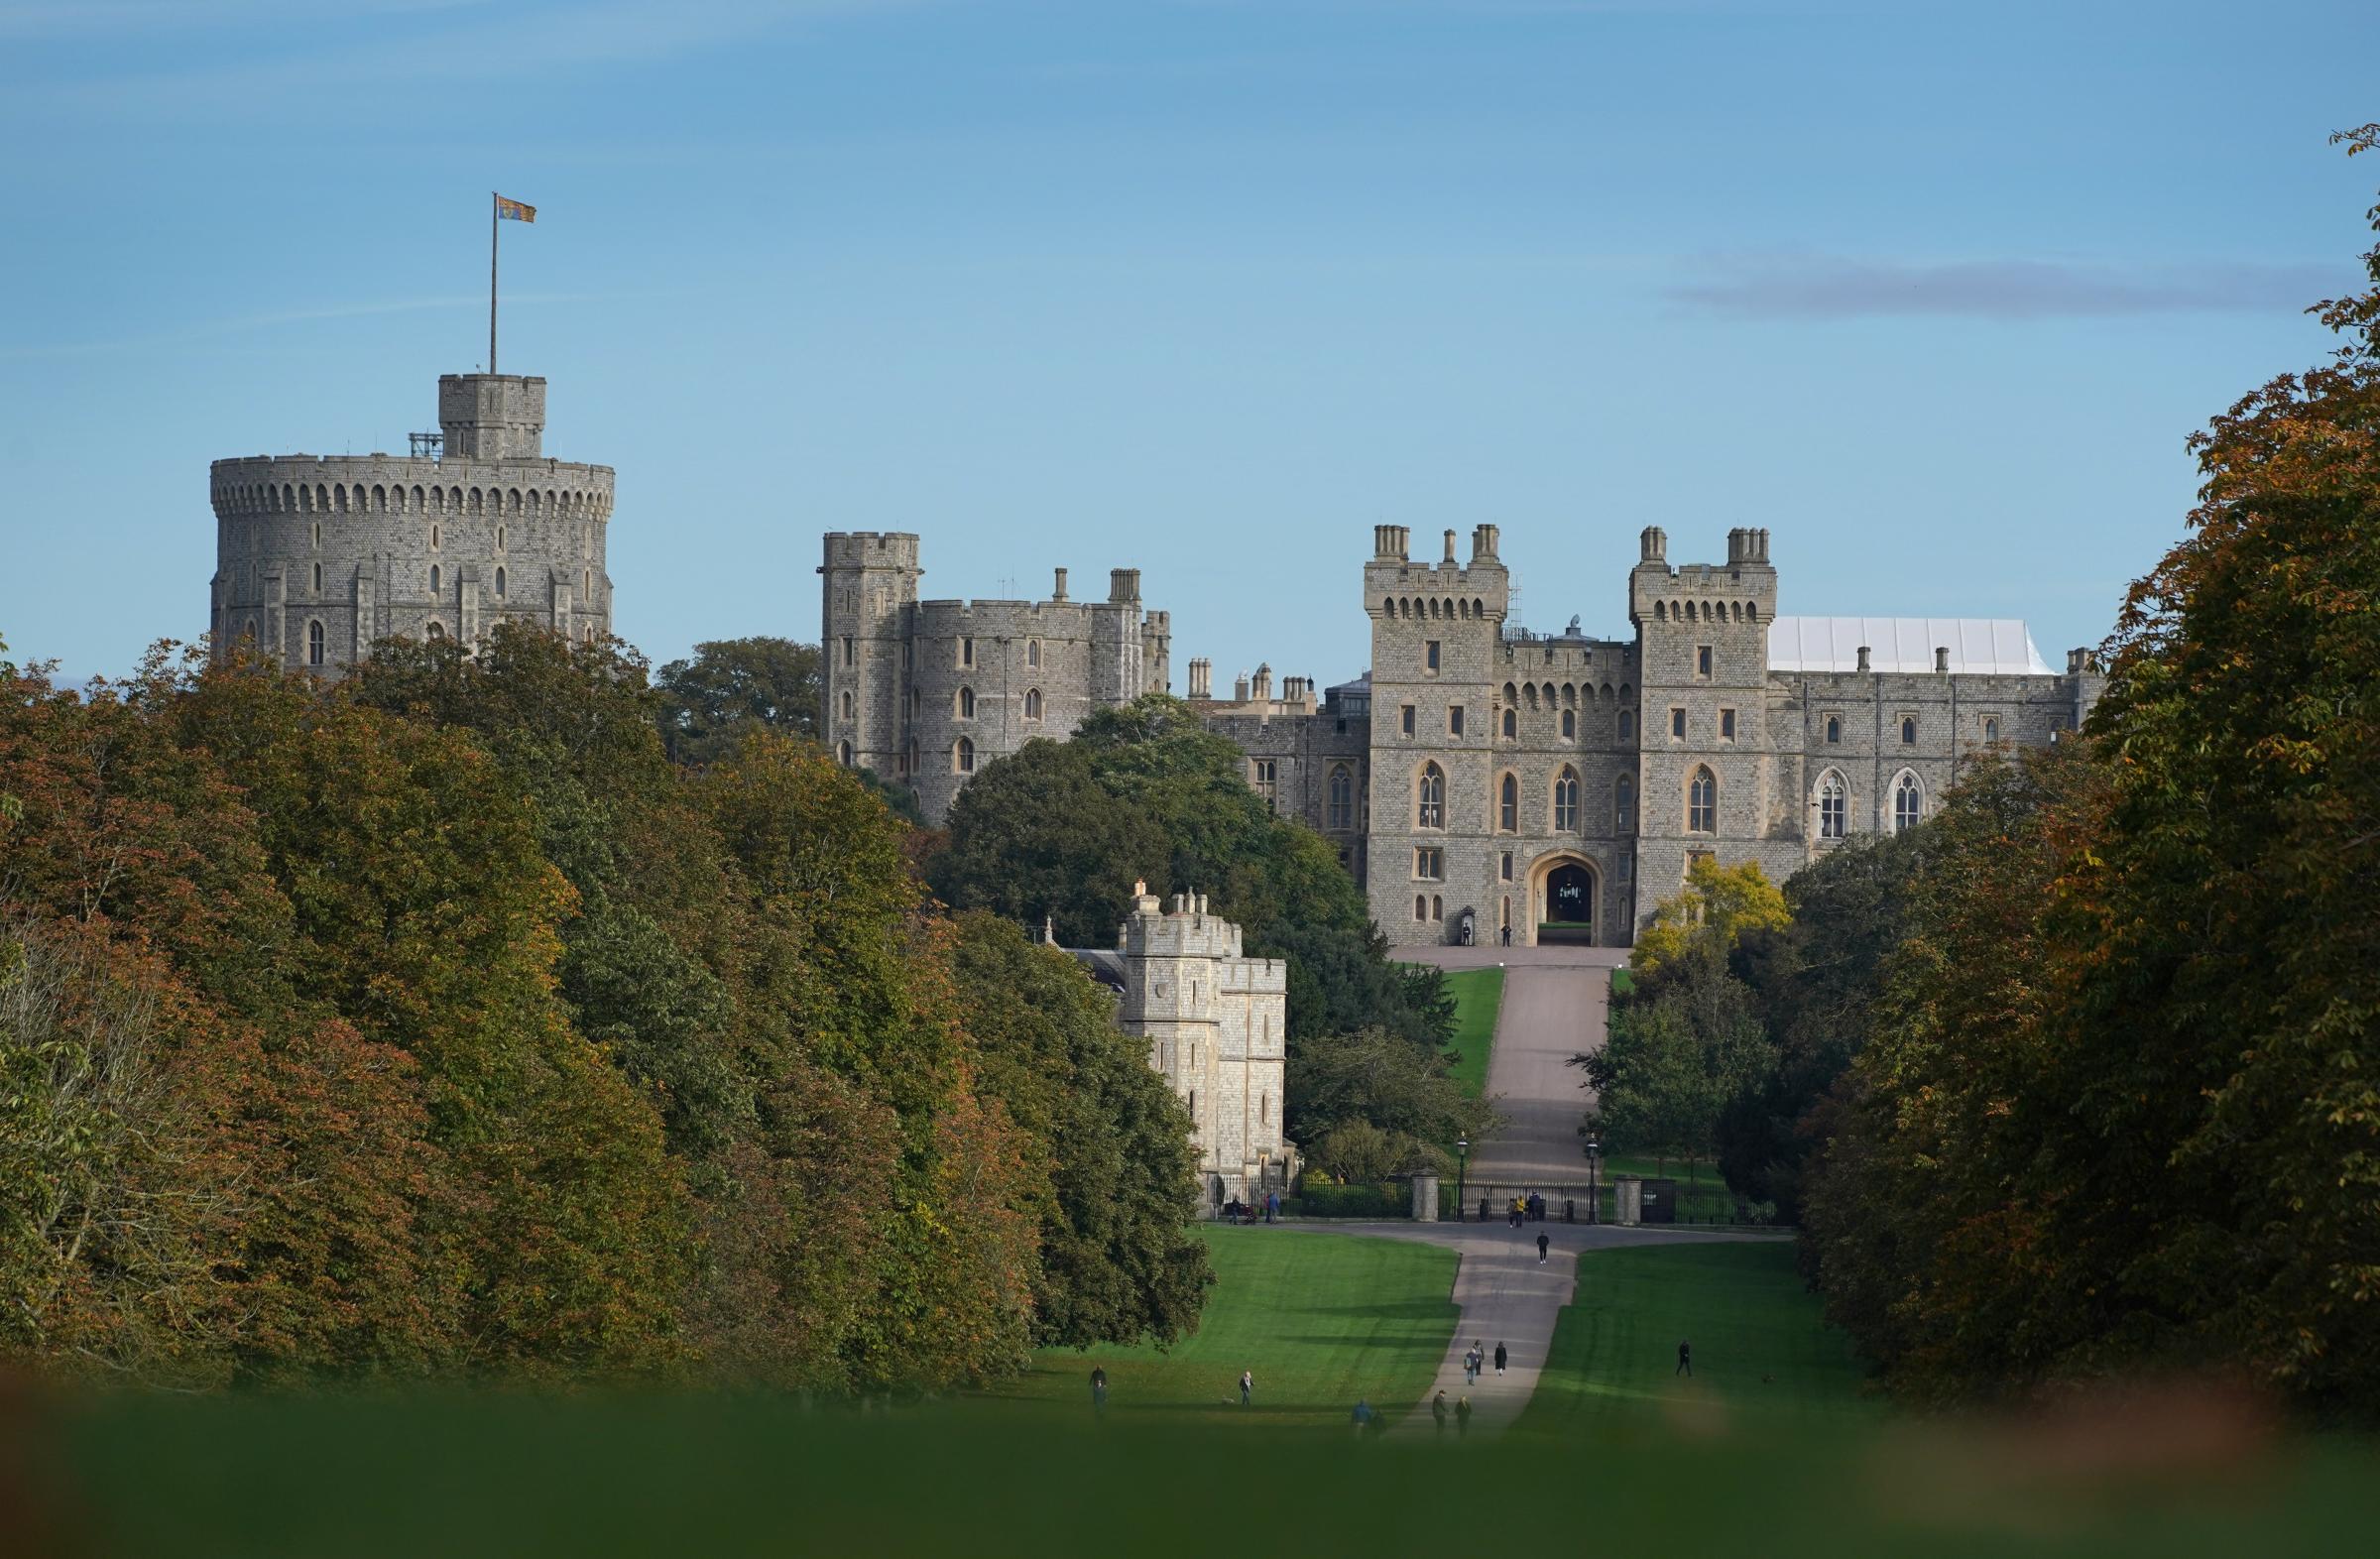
(1569, 906)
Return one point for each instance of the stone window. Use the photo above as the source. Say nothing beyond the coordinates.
(1702, 661)
(499, 539)
(313, 642)
(586, 586)
(435, 580)
(1421, 907)
(843, 754)
(1429, 797)
(1623, 806)
(1627, 724)
(1405, 719)
(1507, 805)
(433, 538)
(1264, 774)
(1453, 720)
(1429, 864)
(965, 652)
(317, 535)
(964, 706)
(1727, 725)
(851, 652)
(1908, 802)
(1429, 654)
(1677, 724)
(1570, 724)
(1511, 725)
(1701, 803)
(1033, 652)
(437, 630)
(1566, 800)
(1908, 730)
(500, 581)
(1342, 801)
(1991, 728)
(318, 590)
(962, 756)
(1032, 705)
(1833, 806)
(850, 704)
(1833, 729)
(1437, 907)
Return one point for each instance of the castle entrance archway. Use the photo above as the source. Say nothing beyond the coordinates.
(1565, 894)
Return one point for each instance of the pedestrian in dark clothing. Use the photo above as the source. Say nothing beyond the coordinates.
(1542, 1243)
(1438, 1410)
(1462, 1417)
(1247, 1385)
(1099, 1390)
(1685, 1362)
(1499, 1359)
(1273, 1205)
(1363, 1415)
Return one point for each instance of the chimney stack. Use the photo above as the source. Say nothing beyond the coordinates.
(1863, 658)
(1124, 586)
(1654, 545)
(1060, 594)
(1942, 659)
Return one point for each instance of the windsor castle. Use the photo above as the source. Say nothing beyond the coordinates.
(1483, 781)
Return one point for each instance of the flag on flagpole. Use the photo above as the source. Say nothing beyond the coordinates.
(515, 211)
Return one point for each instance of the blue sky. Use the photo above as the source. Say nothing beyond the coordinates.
(1935, 293)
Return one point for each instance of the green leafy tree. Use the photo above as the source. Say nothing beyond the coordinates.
(1383, 1081)
(1111, 1152)
(731, 686)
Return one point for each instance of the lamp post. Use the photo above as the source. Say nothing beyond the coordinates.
(1595, 1199)
(1461, 1162)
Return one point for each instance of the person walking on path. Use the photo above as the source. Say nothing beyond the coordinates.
(1247, 1385)
(1462, 1417)
(1685, 1362)
(1474, 1361)
(1273, 1205)
(1362, 1416)
(1438, 1410)
(1099, 1390)
(1542, 1243)
(1500, 1357)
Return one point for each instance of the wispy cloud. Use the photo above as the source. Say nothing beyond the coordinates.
(249, 324)
(1834, 287)
(453, 40)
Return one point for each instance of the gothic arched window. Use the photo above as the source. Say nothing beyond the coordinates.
(1342, 813)
(314, 642)
(966, 703)
(1511, 724)
(1701, 803)
(437, 577)
(500, 582)
(1908, 804)
(1623, 806)
(1570, 724)
(1429, 797)
(1566, 801)
(1909, 730)
(1033, 704)
(1833, 806)
(1507, 804)
(1833, 729)
(962, 756)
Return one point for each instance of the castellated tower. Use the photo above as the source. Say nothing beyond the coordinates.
(317, 556)
(1709, 772)
(927, 692)
(1437, 633)
(1216, 1022)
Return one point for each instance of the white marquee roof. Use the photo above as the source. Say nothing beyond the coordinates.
(1978, 644)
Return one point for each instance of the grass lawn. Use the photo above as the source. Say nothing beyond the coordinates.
(1321, 1318)
(1760, 1348)
(1479, 993)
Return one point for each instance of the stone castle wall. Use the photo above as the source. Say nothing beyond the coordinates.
(929, 691)
(317, 556)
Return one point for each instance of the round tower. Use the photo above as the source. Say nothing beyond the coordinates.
(319, 557)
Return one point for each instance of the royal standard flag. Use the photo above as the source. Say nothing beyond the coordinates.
(514, 211)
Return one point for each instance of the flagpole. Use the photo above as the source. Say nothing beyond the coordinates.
(493, 228)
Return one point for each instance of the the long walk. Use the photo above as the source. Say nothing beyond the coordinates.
(1554, 1004)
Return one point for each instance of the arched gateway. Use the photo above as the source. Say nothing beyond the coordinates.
(1563, 890)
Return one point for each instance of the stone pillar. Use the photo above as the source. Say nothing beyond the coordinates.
(1425, 1198)
(1630, 1195)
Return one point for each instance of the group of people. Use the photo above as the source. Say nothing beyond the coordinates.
(1475, 1362)
(1529, 1209)
(1460, 1413)
(1239, 1212)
